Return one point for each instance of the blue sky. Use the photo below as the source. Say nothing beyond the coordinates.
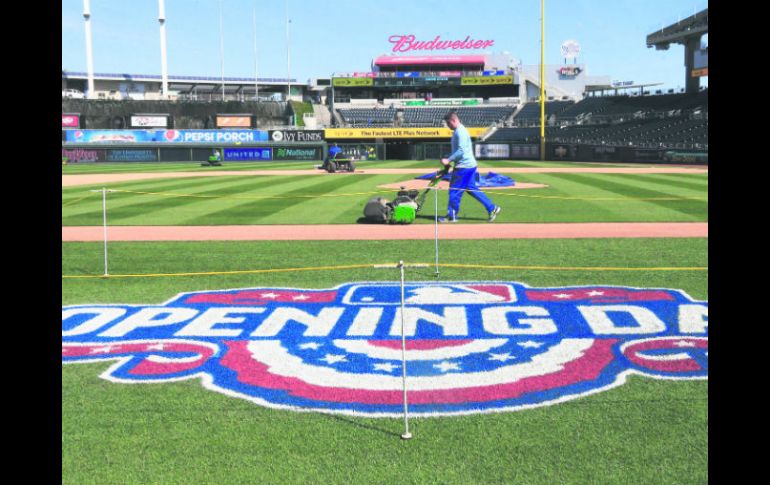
(327, 36)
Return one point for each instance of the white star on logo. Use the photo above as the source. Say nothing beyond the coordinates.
(268, 295)
(102, 350)
(595, 293)
(684, 343)
(563, 295)
(300, 297)
(385, 367)
(530, 344)
(156, 347)
(501, 357)
(445, 366)
(333, 359)
(310, 345)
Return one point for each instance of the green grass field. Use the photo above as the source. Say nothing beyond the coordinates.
(337, 199)
(646, 431)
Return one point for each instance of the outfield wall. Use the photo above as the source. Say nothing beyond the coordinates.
(137, 152)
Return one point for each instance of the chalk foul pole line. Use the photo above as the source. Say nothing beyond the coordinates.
(406, 434)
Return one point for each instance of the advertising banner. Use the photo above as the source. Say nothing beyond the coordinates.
(70, 120)
(527, 152)
(492, 151)
(309, 153)
(132, 155)
(248, 154)
(428, 60)
(408, 74)
(297, 135)
(338, 133)
(111, 136)
(239, 121)
(700, 72)
(341, 133)
(352, 82)
(486, 80)
(211, 136)
(166, 136)
(569, 71)
(80, 155)
(443, 102)
(561, 152)
(154, 121)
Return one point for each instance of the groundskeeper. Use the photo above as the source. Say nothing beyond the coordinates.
(464, 173)
(334, 152)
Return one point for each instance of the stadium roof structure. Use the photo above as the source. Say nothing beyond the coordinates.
(428, 60)
(616, 88)
(680, 32)
(178, 79)
(687, 32)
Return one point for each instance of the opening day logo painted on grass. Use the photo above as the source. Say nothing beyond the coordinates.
(471, 347)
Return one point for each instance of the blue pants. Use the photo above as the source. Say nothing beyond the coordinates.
(465, 178)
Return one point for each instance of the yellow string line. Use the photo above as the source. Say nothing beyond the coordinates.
(509, 194)
(172, 194)
(208, 273)
(577, 268)
(359, 266)
(599, 198)
(77, 200)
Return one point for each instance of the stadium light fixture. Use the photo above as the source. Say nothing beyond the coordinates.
(89, 49)
(542, 79)
(221, 50)
(163, 61)
(288, 55)
(256, 70)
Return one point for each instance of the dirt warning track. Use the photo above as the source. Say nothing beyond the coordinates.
(384, 232)
(90, 179)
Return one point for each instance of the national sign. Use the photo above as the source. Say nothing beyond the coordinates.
(471, 347)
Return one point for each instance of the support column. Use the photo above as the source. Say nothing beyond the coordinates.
(692, 84)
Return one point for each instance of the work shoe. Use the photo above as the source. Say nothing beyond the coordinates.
(446, 219)
(494, 213)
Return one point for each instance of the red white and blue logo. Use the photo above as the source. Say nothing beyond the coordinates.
(470, 347)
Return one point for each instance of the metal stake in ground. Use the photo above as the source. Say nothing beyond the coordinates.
(104, 222)
(406, 435)
(435, 222)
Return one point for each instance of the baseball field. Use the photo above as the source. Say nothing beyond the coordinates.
(642, 429)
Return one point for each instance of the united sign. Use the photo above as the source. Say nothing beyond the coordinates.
(470, 347)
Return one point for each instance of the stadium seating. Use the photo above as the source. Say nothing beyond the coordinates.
(531, 111)
(616, 107)
(470, 116)
(363, 117)
(515, 135)
(678, 131)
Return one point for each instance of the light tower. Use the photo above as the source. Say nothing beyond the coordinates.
(89, 50)
(163, 63)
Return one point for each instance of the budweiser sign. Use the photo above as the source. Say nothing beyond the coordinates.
(406, 43)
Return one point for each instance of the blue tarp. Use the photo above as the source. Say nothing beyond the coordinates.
(489, 180)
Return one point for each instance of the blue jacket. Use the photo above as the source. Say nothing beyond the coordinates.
(462, 148)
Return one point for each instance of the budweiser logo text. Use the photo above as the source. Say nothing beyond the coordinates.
(406, 43)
